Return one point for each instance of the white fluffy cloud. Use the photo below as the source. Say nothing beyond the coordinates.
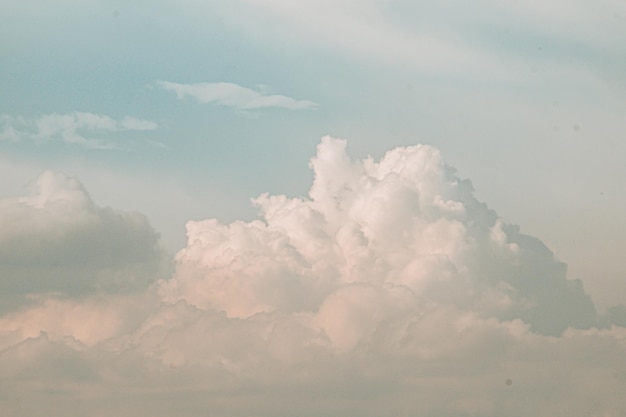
(74, 128)
(388, 290)
(233, 95)
(405, 222)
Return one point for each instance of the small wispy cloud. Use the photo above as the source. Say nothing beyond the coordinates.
(74, 128)
(234, 95)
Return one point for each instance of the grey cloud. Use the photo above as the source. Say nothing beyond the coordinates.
(58, 240)
(616, 315)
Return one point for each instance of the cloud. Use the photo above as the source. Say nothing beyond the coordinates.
(57, 240)
(405, 221)
(389, 289)
(74, 128)
(483, 41)
(233, 95)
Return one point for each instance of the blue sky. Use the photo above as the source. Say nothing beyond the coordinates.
(186, 110)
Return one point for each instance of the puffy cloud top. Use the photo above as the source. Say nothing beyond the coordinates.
(403, 231)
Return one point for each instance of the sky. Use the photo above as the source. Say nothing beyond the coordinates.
(312, 208)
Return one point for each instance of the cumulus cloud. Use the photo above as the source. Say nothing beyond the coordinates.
(79, 128)
(233, 95)
(56, 239)
(390, 289)
(405, 222)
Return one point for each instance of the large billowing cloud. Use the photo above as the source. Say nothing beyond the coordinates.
(403, 229)
(389, 290)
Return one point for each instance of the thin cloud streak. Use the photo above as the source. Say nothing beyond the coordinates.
(233, 95)
(76, 128)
